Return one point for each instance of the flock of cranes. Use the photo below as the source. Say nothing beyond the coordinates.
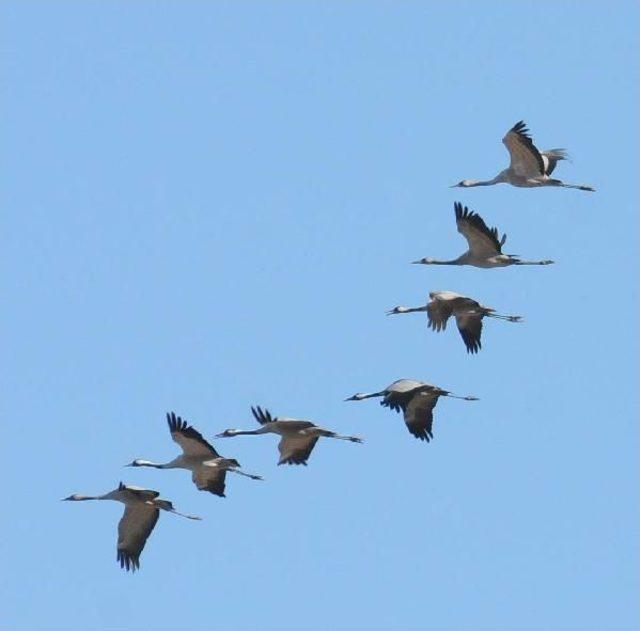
(529, 168)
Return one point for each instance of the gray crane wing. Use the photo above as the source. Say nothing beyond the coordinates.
(296, 449)
(470, 326)
(190, 440)
(134, 528)
(526, 160)
(438, 312)
(418, 415)
(262, 416)
(551, 157)
(483, 241)
(139, 493)
(210, 478)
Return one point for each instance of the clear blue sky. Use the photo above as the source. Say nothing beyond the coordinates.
(210, 205)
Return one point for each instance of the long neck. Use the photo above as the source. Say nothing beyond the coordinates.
(457, 261)
(371, 395)
(84, 498)
(155, 465)
(413, 309)
(246, 432)
(498, 179)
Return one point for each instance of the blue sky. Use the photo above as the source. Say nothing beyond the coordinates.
(210, 205)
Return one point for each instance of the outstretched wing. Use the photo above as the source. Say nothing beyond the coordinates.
(296, 449)
(438, 312)
(262, 416)
(190, 440)
(210, 478)
(138, 492)
(526, 160)
(136, 525)
(551, 157)
(483, 241)
(470, 326)
(418, 414)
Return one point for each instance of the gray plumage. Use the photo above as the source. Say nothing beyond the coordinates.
(416, 400)
(529, 167)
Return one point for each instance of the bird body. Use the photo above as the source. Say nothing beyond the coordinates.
(141, 513)
(416, 399)
(467, 312)
(208, 468)
(298, 437)
(485, 244)
(529, 167)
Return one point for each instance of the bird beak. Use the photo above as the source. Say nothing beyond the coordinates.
(221, 435)
(416, 262)
(353, 398)
(392, 312)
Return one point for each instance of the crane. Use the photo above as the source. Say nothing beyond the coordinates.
(529, 167)
(142, 509)
(467, 311)
(297, 437)
(485, 244)
(208, 468)
(416, 399)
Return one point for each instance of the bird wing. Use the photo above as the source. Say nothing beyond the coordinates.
(438, 312)
(483, 241)
(296, 449)
(262, 416)
(208, 478)
(526, 160)
(134, 529)
(469, 324)
(137, 492)
(418, 415)
(190, 440)
(551, 157)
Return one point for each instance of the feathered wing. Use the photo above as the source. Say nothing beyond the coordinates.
(418, 415)
(551, 157)
(483, 241)
(134, 528)
(262, 416)
(296, 449)
(526, 160)
(470, 326)
(190, 440)
(138, 492)
(210, 479)
(438, 312)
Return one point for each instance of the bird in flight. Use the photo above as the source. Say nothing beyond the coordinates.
(208, 468)
(467, 312)
(485, 244)
(416, 399)
(529, 167)
(142, 509)
(297, 438)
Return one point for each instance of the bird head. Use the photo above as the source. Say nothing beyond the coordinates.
(356, 397)
(424, 261)
(135, 463)
(463, 184)
(72, 498)
(227, 433)
(406, 310)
